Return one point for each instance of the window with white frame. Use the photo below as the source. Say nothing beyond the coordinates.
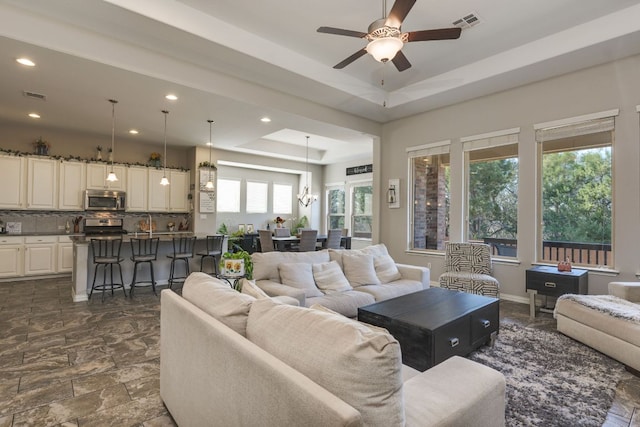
(336, 205)
(362, 210)
(492, 190)
(228, 195)
(576, 197)
(257, 196)
(429, 166)
(282, 199)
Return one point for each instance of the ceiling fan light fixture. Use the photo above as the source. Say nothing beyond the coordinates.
(384, 49)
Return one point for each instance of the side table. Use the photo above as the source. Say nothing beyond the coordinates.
(233, 281)
(548, 281)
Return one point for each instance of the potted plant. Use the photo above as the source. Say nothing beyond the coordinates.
(41, 146)
(241, 255)
(154, 159)
(99, 152)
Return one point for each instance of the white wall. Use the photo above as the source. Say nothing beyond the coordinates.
(610, 86)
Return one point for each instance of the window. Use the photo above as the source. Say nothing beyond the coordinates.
(282, 196)
(492, 190)
(429, 167)
(576, 192)
(228, 196)
(335, 207)
(362, 203)
(257, 193)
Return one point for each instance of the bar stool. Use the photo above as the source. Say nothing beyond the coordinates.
(144, 251)
(183, 248)
(214, 250)
(106, 254)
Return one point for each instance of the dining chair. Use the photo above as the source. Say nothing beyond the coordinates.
(282, 232)
(308, 240)
(334, 238)
(266, 241)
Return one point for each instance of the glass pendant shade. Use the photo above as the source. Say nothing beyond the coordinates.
(164, 181)
(112, 177)
(384, 49)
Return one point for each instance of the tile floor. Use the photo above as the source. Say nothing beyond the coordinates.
(97, 364)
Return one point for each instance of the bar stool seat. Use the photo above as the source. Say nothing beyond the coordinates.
(106, 254)
(214, 251)
(183, 248)
(144, 251)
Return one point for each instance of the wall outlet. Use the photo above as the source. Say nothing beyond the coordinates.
(429, 265)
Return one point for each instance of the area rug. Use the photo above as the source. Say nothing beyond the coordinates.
(552, 380)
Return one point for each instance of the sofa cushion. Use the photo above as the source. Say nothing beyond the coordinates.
(249, 287)
(265, 264)
(359, 268)
(330, 278)
(299, 275)
(336, 353)
(391, 290)
(345, 303)
(219, 300)
(385, 266)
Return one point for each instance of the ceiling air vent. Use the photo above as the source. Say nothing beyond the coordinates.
(34, 95)
(467, 21)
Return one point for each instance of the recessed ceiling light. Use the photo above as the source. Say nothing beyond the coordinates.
(171, 97)
(26, 61)
(133, 132)
(265, 120)
(34, 115)
(208, 143)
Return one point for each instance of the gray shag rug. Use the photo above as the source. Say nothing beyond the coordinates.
(552, 380)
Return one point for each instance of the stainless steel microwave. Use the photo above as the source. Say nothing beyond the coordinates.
(104, 200)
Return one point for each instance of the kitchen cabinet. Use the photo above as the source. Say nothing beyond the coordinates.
(40, 255)
(65, 255)
(137, 189)
(42, 183)
(11, 256)
(158, 194)
(179, 191)
(71, 185)
(97, 177)
(13, 176)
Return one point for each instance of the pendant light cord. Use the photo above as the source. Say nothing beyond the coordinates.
(210, 144)
(164, 172)
(113, 129)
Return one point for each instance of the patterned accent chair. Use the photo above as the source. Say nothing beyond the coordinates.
(468, 268)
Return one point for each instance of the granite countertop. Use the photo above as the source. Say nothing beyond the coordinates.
(164, 236)
(42, 233)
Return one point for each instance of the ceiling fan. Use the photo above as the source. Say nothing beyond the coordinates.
(386, 38)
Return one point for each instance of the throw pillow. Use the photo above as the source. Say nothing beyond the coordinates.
(217, 299)
(249, 287)
(329, 278)
(386, 269)
(359, 268)
(359, 365)
(299, 275)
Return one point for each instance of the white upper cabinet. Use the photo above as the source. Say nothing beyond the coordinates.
(179, 191)
(71, 186)
(158, 194)
(97, 177)
(42, 183)
(13, 174)
(137, 189)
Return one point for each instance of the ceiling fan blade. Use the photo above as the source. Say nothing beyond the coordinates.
(350, 59)
(400, 61)
(341, 32)
(399, 11)
(439, 34)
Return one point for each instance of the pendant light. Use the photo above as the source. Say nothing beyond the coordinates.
(112, 176)
(209, 184)
(306, 198)
(164, 180)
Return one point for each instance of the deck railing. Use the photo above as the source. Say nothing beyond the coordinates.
(591, 254)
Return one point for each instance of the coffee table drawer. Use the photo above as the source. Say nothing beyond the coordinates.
(483, 323)
(453, 339)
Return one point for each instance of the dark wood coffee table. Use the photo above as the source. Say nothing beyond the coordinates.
(435, 324)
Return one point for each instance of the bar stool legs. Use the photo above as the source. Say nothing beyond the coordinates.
(144, 251)
(106, 254)
(183, 250)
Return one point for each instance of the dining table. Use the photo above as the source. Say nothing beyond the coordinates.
(284, 243)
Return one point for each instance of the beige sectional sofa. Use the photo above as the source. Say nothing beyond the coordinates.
(607, 323)
(229, 359)
(341, 280)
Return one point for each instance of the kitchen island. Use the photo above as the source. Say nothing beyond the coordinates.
(83, 266)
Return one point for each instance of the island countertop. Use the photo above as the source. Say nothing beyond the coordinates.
(164, 236)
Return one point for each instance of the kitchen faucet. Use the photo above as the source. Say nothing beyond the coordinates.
(150, 226)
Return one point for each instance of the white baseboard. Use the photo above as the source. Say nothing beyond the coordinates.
(506, 297)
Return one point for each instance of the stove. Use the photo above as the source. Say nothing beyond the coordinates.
(104, 227)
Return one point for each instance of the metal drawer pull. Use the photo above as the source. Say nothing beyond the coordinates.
(486, 323)
(549, 284)
(454, 342)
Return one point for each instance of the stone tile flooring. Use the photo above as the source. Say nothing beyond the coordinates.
(97, 364)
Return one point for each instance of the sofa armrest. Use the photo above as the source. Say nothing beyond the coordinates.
(275, 289)
(457, 392)
(414, 272)
(625, 290)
